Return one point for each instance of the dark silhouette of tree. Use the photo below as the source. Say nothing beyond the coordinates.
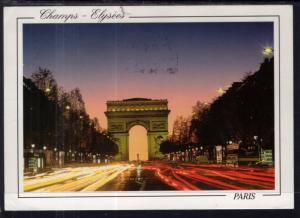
(169, 146)
(181, 130)
(58, 119)
(44, 80)
(245, 110)
(39, 116)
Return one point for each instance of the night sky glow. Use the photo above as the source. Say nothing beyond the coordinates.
(181, 62)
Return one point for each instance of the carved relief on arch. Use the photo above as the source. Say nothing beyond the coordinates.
(144, 123)
(159, 126)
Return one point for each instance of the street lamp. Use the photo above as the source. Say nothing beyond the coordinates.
(33, 145)
(221, 91)
(268, 50)
(47, 90)
(201, 150)
(45, 147)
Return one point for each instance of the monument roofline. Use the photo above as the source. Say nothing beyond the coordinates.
(137, 100)
(137, 104)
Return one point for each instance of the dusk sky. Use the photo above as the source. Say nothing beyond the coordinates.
(181, 62)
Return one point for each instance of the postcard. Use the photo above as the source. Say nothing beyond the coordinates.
(148, 107)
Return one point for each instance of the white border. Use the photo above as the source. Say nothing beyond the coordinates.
(283, 23)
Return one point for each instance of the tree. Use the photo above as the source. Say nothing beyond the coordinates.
(58, 119)
(102, 143)
(198, 109)
(39, 116)
(181, 130)
(198, 115)
(44, 80)
(245, 110)
(168, 146)
(76, 101)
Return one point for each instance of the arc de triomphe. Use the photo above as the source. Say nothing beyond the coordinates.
(151, 114)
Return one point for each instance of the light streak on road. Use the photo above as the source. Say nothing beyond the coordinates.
(106, 178)
(178, 176)
(74, 179)
(216, 176)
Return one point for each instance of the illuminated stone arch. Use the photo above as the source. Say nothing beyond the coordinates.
(151, 114)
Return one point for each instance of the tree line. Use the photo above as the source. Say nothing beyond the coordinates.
(56, 119)
(243, 114)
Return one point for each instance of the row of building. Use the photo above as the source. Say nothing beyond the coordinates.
(37, 160)
(231, 154)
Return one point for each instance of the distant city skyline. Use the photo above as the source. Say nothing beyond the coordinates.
(181, 62)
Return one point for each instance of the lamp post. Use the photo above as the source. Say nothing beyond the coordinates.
(55, 155)
(45, 161)
(32, 148)
(70, 155)
(258, 147)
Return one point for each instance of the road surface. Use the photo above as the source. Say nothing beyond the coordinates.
(151, 176)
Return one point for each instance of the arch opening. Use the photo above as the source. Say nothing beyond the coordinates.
(138, 143)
